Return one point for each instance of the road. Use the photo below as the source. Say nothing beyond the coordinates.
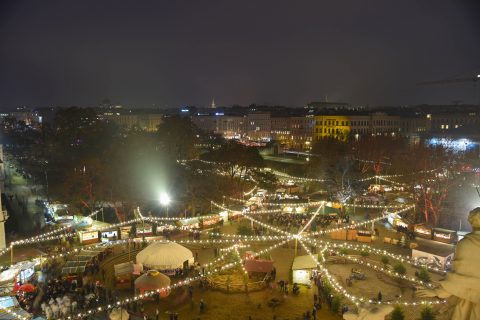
(26, 218)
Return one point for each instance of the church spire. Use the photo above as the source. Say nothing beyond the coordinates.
(213, 103)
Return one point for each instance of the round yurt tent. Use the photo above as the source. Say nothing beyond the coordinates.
(153, 280)
(165, 256)
(119, 314)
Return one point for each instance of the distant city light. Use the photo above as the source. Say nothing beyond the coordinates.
(457, 145)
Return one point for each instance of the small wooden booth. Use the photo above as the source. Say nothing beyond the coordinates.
(423, 231)
(444, 235)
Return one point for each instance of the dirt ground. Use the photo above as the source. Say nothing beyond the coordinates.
(240, 306)
(234, 306)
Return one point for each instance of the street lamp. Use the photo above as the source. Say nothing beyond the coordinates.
(165, 200)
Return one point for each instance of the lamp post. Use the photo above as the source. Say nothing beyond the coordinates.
(165, 201)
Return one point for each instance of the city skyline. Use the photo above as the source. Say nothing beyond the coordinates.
(165, 55)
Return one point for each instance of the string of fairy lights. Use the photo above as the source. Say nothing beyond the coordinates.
(235, 242)
(372, 250)
(179, 284)
(358, 299)
(304, 179)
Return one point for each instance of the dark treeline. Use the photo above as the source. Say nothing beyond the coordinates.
(84, 161)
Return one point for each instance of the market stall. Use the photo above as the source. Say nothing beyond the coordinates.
(434, 256)
(88, 237)
(17, 273)
(123, 274)
(11, 304)
(395, 220)
(364, 235)
(344, 234)
(258, 265)
(444, 235)
(77, 263)
(109, 235)
(144, 230)
(423, 231)
(125, 232)
(190, 223)
(302, 269)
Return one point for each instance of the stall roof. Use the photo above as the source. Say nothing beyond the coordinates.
(19, 311)
(11, 303)
(304, 262)
(189, 221)
(438, 249)
(123, 268)
(444, 230)
(77, 263)
(252, 265)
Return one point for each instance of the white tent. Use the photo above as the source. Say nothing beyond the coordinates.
(302, 269)
(304, 262)
(165, 256)
(119, 314)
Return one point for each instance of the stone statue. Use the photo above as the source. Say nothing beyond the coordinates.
(462, 285)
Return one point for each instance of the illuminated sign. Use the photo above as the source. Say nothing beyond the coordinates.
(88, 235)
(443, 235)
(109, 234)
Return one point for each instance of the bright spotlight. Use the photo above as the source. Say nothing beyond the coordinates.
(164, 199)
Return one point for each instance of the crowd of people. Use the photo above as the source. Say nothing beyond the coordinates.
(292, 222)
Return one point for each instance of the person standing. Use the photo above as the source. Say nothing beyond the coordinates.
(202, 306)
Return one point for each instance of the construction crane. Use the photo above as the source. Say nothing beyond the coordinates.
(452, 80)
(470, 79)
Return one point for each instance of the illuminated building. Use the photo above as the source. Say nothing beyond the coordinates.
(259, 126)
(341, 127)
(142, 121)
(332, 126)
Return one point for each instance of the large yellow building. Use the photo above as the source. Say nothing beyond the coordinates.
(342, 127)
(332, 126)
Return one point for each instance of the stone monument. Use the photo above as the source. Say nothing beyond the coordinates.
(461, 287)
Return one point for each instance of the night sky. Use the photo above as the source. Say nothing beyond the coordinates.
(170, 53)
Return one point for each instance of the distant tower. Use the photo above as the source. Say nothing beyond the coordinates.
(213, 104)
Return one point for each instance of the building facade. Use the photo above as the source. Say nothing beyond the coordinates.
(332, 126)
(450, 121)
(259, 126)
(341, 127)
(142, 121)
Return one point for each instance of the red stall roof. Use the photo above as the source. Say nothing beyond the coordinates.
(264, 266)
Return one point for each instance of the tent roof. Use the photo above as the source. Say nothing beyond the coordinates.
(123, 268)
(119, 313)
(152, 280)
(164, 255)
(252, 265)
(303, 262)
(11, 303)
